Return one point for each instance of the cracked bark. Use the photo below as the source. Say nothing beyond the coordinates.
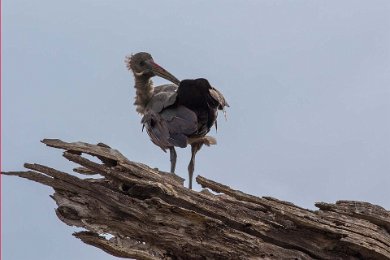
(150, 215)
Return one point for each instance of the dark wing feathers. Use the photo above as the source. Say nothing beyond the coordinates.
(163, 96)
(170, 127)
(176, 113)
(181, 120)
(156, 129)
(198, 93)
(199, 96)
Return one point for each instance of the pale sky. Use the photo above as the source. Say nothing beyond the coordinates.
(308, 83)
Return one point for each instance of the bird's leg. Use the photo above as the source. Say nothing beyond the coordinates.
(195, 147)
(173, 158)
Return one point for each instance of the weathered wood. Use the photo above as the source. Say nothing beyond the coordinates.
(150, 215)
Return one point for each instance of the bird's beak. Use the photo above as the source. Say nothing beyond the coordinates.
(161, 72)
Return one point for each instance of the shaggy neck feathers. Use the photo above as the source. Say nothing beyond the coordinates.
(144, 92)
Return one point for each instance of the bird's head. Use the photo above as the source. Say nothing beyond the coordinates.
(143, 65)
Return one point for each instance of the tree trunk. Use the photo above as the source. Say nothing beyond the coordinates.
(134, 211)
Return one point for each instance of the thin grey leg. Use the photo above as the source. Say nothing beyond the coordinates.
(191, 166)
(173, 158)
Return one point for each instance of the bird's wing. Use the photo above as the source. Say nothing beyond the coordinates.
(165, 88)
(215, 94)
(222, 103)
(170, 127)
(156, 129)
(163, 96)
(180, 120)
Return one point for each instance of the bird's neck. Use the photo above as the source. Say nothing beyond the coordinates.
(144, 92)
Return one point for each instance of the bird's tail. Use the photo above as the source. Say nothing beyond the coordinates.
(207, 140)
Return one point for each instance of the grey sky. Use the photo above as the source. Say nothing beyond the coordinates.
(308, 83)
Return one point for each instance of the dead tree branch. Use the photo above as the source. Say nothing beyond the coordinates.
(150, 215)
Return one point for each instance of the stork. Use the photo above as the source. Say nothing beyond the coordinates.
(178, 114)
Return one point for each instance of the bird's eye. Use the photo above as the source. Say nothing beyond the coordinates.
(142, 63)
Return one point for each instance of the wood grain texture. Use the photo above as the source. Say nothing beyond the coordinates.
(130, 210)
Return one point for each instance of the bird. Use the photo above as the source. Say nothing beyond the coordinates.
(178, 114)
